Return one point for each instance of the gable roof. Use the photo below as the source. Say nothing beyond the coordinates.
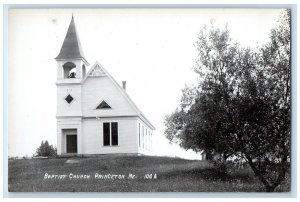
(71, 48)
(101, 71)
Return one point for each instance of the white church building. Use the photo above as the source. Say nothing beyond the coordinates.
(95, 115)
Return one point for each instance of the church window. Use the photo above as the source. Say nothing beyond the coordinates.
(143, 137)
(106, 134)
(114, 133)
(139, 135)
(110, 133)
(146, 139)
(150, 141)
(83, 70)
(103, 105)
(69, 99)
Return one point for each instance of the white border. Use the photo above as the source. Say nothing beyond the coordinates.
(115, 2)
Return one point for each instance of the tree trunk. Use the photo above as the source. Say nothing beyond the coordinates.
(268, 187)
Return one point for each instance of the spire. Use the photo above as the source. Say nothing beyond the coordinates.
(71, 47)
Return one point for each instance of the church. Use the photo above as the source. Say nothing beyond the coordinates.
(95, 115)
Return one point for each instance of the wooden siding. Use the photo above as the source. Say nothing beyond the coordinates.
(97, 89)
(93, 136)
(64, 108)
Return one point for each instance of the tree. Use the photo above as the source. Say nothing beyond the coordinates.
(45, 149)
(241, 106)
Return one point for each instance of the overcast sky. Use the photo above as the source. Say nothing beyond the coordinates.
(152, 49)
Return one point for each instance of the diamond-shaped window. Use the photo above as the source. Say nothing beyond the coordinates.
(103, 105)
(69, 99)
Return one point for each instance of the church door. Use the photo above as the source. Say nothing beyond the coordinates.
(71, 143)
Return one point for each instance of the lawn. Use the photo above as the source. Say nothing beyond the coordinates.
(123, 173)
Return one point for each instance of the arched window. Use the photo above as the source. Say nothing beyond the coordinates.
(83, 70)
(69, 70)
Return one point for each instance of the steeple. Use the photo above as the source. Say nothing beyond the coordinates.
(71, 48)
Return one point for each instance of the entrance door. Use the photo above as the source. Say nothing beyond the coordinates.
(71, 143)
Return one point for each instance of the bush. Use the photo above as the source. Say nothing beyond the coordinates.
(26, 157)
(45, 149)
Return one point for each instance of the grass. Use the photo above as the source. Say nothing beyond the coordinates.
(173, 175)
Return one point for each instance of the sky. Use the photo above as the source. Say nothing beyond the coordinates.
(153, 50)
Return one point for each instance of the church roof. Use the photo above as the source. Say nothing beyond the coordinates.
(71, 48)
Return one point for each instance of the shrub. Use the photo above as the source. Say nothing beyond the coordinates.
(26, 157)
(45, 149)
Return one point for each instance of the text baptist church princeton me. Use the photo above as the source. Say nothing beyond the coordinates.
(94, 113)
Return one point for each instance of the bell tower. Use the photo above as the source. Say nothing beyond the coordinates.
(70, 60)
(71, 69)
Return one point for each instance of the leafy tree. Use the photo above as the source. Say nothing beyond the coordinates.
(241, 106)
(45, 149)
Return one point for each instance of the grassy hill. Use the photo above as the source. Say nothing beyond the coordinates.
(114, 173)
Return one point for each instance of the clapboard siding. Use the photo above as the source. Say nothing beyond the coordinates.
(93, 136)
(97, 89)
(65, 109)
